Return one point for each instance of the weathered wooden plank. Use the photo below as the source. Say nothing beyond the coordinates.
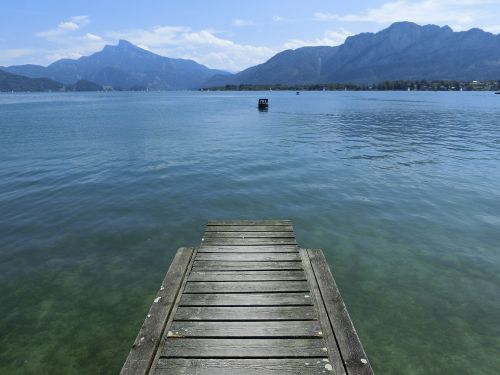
(248, 235)
(246, 275)
(249, 222)
(145, 345)
(333, 354)
(243, 348)
(221, 366)
(248, 257)
(254, 299)
(244, 266)
(282, 329)
(246, 313)
(246, 286)
(249, 249)
(353, 354)
(249, 228)
(248, 241)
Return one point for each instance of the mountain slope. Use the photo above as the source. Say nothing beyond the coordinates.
(14, 82)
(403, 51)
(124, 66)
(303, 65)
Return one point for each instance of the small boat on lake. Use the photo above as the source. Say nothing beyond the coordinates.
(263, 104)
(498, 93)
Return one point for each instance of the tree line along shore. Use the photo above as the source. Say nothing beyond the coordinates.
(399, 85)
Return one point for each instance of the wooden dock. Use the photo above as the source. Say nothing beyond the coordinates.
(247, 301)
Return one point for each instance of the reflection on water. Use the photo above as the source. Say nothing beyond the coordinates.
(400, 189)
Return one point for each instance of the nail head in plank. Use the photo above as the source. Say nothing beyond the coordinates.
(246, 275)
(145, 345)
(205, 265)
(254, 299)
(352, 351)
(246, 313)
(246, 286)
(248, 241)
(243, 348)
(290, 329)
(220, 366)
(334, 354)
(249, 249)
(248, 257)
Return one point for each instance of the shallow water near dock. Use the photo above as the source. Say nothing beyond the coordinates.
(400, 189)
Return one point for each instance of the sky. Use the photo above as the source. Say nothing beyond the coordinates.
(223, 34)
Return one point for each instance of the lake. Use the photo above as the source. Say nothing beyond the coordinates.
(400, 189)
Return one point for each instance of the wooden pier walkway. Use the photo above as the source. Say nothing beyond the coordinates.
(247, 301)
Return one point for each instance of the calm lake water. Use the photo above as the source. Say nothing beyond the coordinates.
(400, 189)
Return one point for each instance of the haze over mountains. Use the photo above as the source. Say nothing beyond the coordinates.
(403, 51)
(123, 66)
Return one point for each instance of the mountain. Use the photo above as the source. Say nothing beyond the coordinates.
(302, 65)
(123, 66)
(403, 51)
(13, 82)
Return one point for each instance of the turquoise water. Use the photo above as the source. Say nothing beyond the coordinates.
(400, 189)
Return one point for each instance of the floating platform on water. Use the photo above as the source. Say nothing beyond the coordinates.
(247, 301)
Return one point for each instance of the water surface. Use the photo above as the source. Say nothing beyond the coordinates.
(401, 190)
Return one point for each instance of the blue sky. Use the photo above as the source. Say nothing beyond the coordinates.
(222, 34)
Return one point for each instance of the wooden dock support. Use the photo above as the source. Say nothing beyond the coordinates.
(248, 301)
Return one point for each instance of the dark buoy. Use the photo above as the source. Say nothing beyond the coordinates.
(263, 104)
(297, 93)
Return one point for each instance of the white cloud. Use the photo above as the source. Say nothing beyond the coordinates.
(330, 38)
(65, 27)
(93, 37)
(242, 23)
(277, 19)
(458, 13)
(203, 46)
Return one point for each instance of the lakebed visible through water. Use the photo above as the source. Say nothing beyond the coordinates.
(400, 189)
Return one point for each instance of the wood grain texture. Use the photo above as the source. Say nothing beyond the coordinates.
(146, 344)
(254, 299)
(333, 353)
(221, 366)
(352, 352)
(282, 329)
(247, 241)
(249, 222)
(243, 348)
(246, 286)
(272, 234)
(245, 266)
(248, 249)
(248, 301)
(246, 313)
(249, 257)
(246, 275)
(248, 228)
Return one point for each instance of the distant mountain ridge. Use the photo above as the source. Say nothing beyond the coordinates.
(13, 82)
(123, 66)
(403, 51)
(18, 83)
